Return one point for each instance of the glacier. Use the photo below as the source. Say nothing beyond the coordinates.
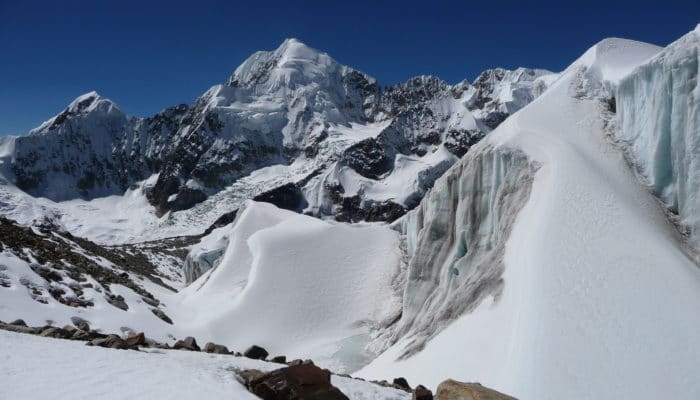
(658, 108)
(598, 293)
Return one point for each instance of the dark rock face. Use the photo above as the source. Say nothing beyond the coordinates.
(160, 314)
(368, 158)
(422, 393)
(256, 353)
(301, 382)
(288, 197)
(402, 383)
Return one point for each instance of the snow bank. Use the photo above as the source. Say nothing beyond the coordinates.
(69, 369)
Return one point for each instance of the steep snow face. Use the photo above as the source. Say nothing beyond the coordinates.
(597, 291)
(298, 286)
(658, 109)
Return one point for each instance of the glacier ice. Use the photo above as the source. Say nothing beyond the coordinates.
(456, 239)
(658, 107)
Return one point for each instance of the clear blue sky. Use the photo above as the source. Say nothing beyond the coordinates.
(147, 55)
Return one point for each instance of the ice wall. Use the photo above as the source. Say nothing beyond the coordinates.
(456, 239)
(658, 107)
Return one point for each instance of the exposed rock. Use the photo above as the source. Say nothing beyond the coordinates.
(160, 314)
(151, 302)
(80, 335)
(279, 359)
(117, 301)
(216, 348)
(55, 332)
(110, 341)
(136, 340)
(18, 322)
(256, 353)
(300, 382)
(188, 343)
(80, 324)
(402, 383)
(454, 390)
(250, 375)
(288, 197)
(422, 393)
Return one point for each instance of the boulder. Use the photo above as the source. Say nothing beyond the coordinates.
(80, 324)
(422, 393)
(299, 382)
(402, 383)
(134, 340)
(256, 353)
(454, 390)
(189, 343)
(111, 341)
(53, 332)
(18, 322)
(279, 359)
(216, 348)
(81, 335)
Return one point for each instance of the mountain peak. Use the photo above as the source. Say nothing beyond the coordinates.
(292, 62)
(84, 101)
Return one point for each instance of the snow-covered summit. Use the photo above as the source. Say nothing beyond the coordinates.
(292, 64)
(349, 148)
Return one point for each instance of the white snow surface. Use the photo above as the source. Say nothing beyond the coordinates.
(71, 370)
(600, 298)
(297, 285)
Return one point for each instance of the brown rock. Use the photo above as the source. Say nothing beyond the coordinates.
(250, 375)
(299, 382)
(216, 348)
(454, 390)
(136, 340)
(189, 343)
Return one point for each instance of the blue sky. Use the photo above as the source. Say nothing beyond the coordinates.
(147, 55)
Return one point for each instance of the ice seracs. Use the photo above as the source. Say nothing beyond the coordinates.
(658, 108)
(597, 289)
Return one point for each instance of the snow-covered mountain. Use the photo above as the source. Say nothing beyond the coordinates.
(290, 126)
(556, 258)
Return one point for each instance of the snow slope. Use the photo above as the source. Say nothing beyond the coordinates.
(297, 285)
(68, 369)
(599, 297)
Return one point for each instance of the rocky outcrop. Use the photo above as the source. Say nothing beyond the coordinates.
(300, 382)
(454, 390)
